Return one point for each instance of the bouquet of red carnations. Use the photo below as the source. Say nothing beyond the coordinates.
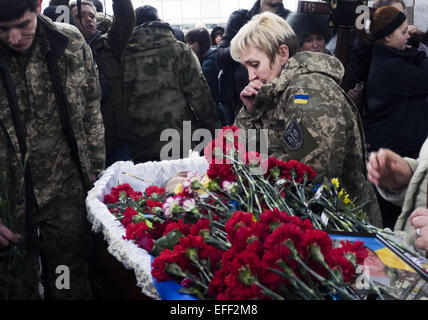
(233, 234)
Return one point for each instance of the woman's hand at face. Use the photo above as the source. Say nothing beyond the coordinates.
(248, 95)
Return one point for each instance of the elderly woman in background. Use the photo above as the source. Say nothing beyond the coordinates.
(311, 30)
(297, 96)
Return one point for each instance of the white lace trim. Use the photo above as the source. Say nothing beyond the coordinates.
(155, 173)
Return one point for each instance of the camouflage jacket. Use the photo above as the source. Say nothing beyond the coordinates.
(36, 97)
(312, 120)
(104, 22)
(162, 77)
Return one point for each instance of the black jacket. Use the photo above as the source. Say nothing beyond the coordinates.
(397, 91)
(108, 49)
(235, 76)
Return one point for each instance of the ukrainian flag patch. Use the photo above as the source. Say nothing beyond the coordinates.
(301, 99)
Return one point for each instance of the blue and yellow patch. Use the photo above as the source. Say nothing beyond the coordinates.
(301, 99)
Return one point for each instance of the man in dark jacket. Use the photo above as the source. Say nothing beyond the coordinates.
(107, 50)
(234, 77)
(148, 13)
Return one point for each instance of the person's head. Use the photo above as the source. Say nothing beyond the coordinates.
(216, 35)
(18, 23)
(389, 26)
(87, 21)
(398, 4)
(146, 14)
(270, 5)
(311, 30)
(198, 39)
(98, 5)
(59, 2)
(264, 45)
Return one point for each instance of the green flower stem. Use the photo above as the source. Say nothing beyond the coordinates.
(267, 194)
(266, 291)
(257, 202)
(214, 207)
(214, 197)
(323, 280)
(311, 282)
(202, 271)
(337, 219)
(298, 284)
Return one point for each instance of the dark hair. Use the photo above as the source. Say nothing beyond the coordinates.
(202, 37)
(59, 2)
(145, 14)
(218, 30)
(381, 19)
(382, 3)
(14, 9)
(304, 25)
(98, 5)
(83, 3)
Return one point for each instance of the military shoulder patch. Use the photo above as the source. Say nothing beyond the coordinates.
(293, 136)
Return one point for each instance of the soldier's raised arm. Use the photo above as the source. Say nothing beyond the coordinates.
(122, 26)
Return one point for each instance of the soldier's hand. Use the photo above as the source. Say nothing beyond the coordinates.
(248, 95)
(389, 170)
(419, 220)
(7, 236)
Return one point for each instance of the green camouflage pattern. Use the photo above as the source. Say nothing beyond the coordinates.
(104, 21)
(333, 141)
(159, 72)
(404, 285)
(58, 187)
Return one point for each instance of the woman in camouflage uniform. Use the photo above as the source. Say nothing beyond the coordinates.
(297, 97)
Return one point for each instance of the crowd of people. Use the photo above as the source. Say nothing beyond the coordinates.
(79, 96)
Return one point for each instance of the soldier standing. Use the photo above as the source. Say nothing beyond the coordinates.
(107, 50)
(163, 86)
(297, 97)
(51, 122)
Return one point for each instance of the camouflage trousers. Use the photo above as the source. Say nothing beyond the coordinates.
(62, 241)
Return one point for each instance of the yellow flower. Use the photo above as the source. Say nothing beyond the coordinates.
(204, 183)
(178, 188)
(346, 200)
(335, 181)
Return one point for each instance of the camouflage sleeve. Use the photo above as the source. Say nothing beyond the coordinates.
(314, 130)
(92, 121)
(195, 87)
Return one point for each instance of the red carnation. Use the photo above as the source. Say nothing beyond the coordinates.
(133, 231)
(179, 225)
(128, 214)
(202, 224)
(154, 189)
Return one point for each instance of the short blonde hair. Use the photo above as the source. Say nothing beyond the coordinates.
(266, 32)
